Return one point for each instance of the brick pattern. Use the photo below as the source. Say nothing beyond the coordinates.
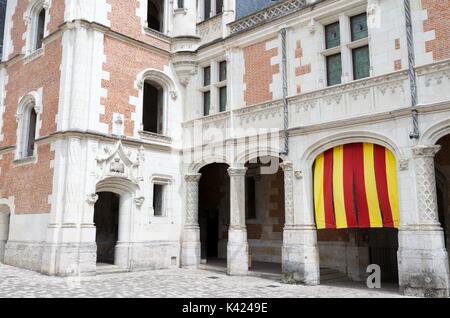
(124, 19)
(438, 12)
(259, 73)
(398, 65)
(56, 13)
(123, 72)
(302, 69)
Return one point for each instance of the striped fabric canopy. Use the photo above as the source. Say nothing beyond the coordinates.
(355, 186)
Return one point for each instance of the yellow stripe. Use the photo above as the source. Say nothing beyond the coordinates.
(391, 172)
(318, 192)
(376, 220)
(338, 187)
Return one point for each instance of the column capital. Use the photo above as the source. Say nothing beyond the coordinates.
(287, 166)
(237, 171)
(194, 177)
(425, 151)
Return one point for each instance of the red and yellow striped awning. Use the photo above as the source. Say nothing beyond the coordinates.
(355, 186)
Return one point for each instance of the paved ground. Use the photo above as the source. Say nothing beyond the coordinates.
(174, 283)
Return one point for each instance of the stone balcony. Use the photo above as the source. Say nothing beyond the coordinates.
(372, 98)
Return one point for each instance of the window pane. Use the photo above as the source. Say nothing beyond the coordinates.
(151, 116)
(180, 4)
(334, 69)
(206, 103)
(158, 195)
(361, 63)
(222, 71)
(207, 76)
(40, 29)
(219, 6)
(207, 9)
(31, 134)
(333, 35)
(359, 27)
(153, 16)
(223, 99)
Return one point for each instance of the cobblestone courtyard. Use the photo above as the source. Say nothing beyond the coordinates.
(175, 283)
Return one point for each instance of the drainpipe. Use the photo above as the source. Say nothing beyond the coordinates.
(415, 134)
(285, 91)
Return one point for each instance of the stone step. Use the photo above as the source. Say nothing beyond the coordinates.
(106, 269)
(328, 275)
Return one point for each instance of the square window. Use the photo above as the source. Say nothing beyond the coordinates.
(158, 198)
(361, 62)
(359, 27)
(223, 99)
(222, 71)
(207, 76)
(334, 69)
(332, 35)
(206, 103)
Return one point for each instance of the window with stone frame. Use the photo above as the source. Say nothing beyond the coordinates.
(36, 21)
(210, 8)
(207, 91)
(347, 51)
(155, 15)
(153, 108)
(222, 86)
(27, 116)
(158, 199)
(180, 4)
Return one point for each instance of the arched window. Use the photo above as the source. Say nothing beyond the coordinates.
(40, 29)
(155, 15)
(27, 117)
(36, 19)
(153, 108)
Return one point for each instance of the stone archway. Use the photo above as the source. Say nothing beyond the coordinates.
(5, 214)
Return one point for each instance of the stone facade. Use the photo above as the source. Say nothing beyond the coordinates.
(85, 84)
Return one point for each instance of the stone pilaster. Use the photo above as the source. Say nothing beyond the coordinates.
(190, 254)
(422, 258)
(237, 250)
(300, 261)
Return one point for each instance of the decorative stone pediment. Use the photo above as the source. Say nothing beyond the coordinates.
(120, 163)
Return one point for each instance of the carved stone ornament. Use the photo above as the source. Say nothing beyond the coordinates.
(117, 166)
(139, 201)
(92, 198)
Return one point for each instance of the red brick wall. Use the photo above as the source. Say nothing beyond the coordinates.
(259, 73)
(438, 20)
(302, 69)
(124, 62)
(19, 28)
(124, 20)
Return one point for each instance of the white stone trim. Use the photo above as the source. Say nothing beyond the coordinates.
(31, 18)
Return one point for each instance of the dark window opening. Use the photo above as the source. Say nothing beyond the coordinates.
(158, 196)
(207, 9)
(180, 4)
(223, 71)
(223, 99)
(40, 29)
(250, 210)
(154, 19)
(31, 134)
(207, 76)
(206, 103)
(219, 6)
(152, 109)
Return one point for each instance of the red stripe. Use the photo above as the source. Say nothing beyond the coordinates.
(360, 186)
(382, 185)
(349, 198)
(328, 190)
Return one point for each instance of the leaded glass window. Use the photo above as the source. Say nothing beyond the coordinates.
(359, 27)
(333, 35)
(361, 62)
(334, 69)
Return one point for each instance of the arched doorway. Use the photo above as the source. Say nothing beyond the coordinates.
(4, 229)
(214, 216)
(356, 212)
(265, 213)
(442, 166)
(106, 219)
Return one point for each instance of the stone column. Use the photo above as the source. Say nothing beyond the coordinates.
(237, 250)
(190, 250)
(422, 258)
(299, 253)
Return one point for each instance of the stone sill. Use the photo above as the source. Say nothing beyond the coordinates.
(25, 161)
(33, 55)
(148, 136)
